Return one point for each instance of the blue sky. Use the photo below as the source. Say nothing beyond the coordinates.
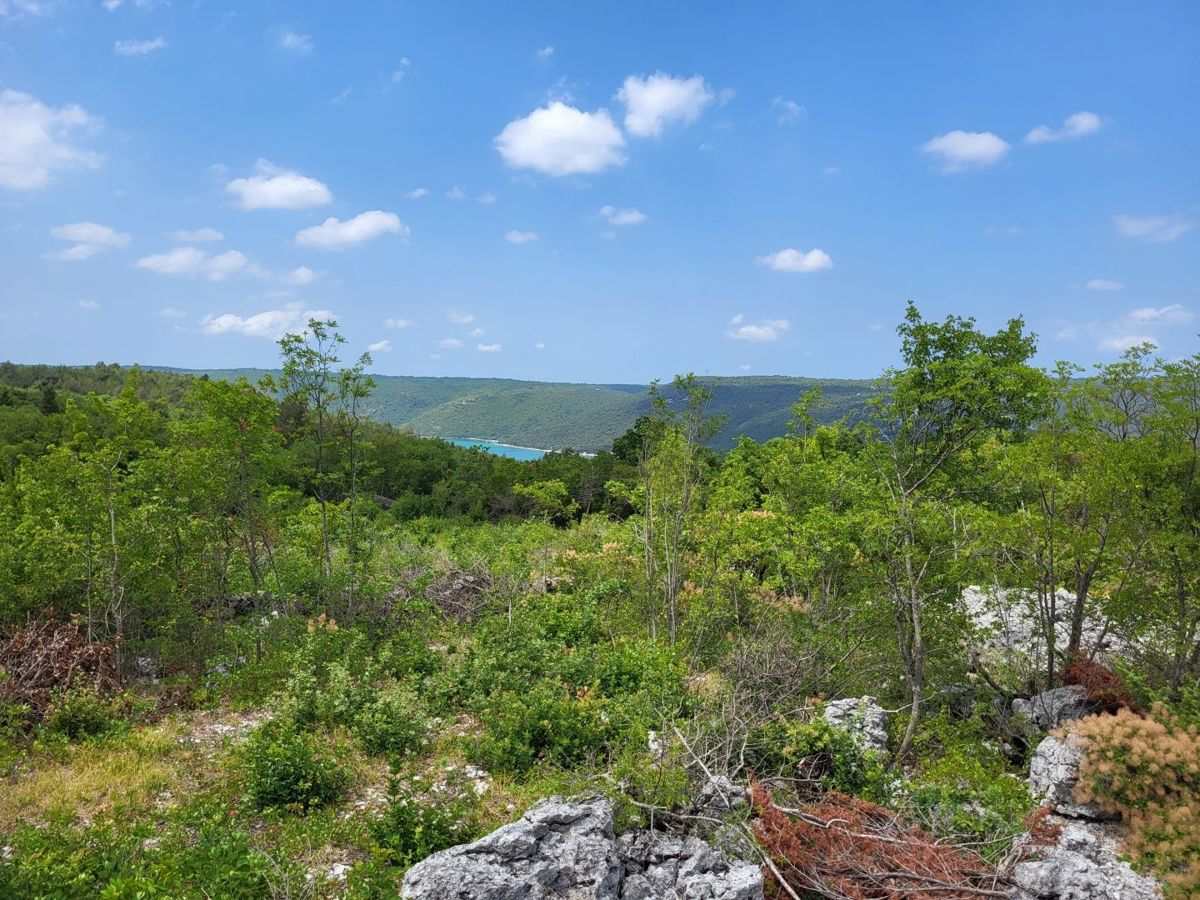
(601, 192)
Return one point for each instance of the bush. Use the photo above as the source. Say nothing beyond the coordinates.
(1105, 690)
(417, 824)
(548, 721)
(394, 722)
(820, 753)
(285, 768)
(80, 712)
(1147, 770)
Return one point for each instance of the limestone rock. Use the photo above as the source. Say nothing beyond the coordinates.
(568, 851)
(1084, 865)
(1054, 773)
(1052, 708)
(863, 718)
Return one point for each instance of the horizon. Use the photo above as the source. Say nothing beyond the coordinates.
(598, 196)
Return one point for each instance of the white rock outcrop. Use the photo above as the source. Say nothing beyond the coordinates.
(865, 719)
(1085, 864)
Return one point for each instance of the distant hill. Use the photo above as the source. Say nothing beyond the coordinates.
(554, 415)
(549, 415)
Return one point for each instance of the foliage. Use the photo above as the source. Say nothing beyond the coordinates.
(1147, 770)
(813, 750)
(80, 711)
(44, 658)
(422, 818)
(285, 768)
(394, 722)
(1105, 690)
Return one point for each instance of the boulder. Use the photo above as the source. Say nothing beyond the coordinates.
(1053, 708)
(865, 719)
(1054, 773)
(1085, 864)
(719, 795)
(568, 851)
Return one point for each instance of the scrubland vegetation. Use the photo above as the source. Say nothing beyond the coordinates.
(256, 644)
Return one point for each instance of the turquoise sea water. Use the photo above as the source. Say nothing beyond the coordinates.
(522, 453)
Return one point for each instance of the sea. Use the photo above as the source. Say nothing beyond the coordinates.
(525, 454)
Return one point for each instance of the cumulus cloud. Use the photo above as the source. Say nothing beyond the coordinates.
(488, 348)
(272, 187)
(487, 198)
(36, 140)
(520, 237)
(456, 193)
(271, 324)
(401, 70)
(417, 193)
(450, 343)
(1074, 126)
(88, 304)
(1103, 284)
(545, 52)
(196, 236)
(1154, 229)
(299, 275)
(759, 332)
(960, 150)
(295, 42)
(87, 239)
(659, 100)
(558, 140)
(540, 345)
(384, 346)
(1122, 342)
(460, 318)
(614, 216)
(138, 48)
(788, 111)
(334, 234)
(791, 260)
(194, 262)
(172, 312)
(397, 323)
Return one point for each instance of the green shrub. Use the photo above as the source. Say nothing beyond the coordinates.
(80, 711)
(817, 751)
(394, 722)
(418, 823)
(286, 768)
(547, 721)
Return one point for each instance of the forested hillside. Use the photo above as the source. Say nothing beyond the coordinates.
(255, 643)
(585, 417)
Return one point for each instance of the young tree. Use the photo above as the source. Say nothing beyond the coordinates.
(958, 386)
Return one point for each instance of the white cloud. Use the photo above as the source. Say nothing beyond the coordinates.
(488, 348)
(959, 150)
(192, 262)
(1155, 229)
(656, 101)
(789, 111)
(299, 275)
(520, 237)
(614, 216)
(276, 188)
(460, 318)
(1103, 284)
(340, 96)
(35, 140)
(334, 234)
(417, 193)
(764, 331)
(88, 304)
(171, 312)
(1121, 343)
(745, 367)
(295, 42)
(1075, 126)
(196, 236)
(476, 332)
(456, 193)
(540, 345)
(450, 343)
(487, 198)
(87, 239)
(384, 346)
(435, 356)
(401, 70)
(790, 260)
(545, 52)
(1175, 314)
(397, 323)
(19, 9)
(558, 139)
(1001, 231)
(271, 324)
(138, 48)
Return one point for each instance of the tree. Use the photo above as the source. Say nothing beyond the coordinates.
(958, 386)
